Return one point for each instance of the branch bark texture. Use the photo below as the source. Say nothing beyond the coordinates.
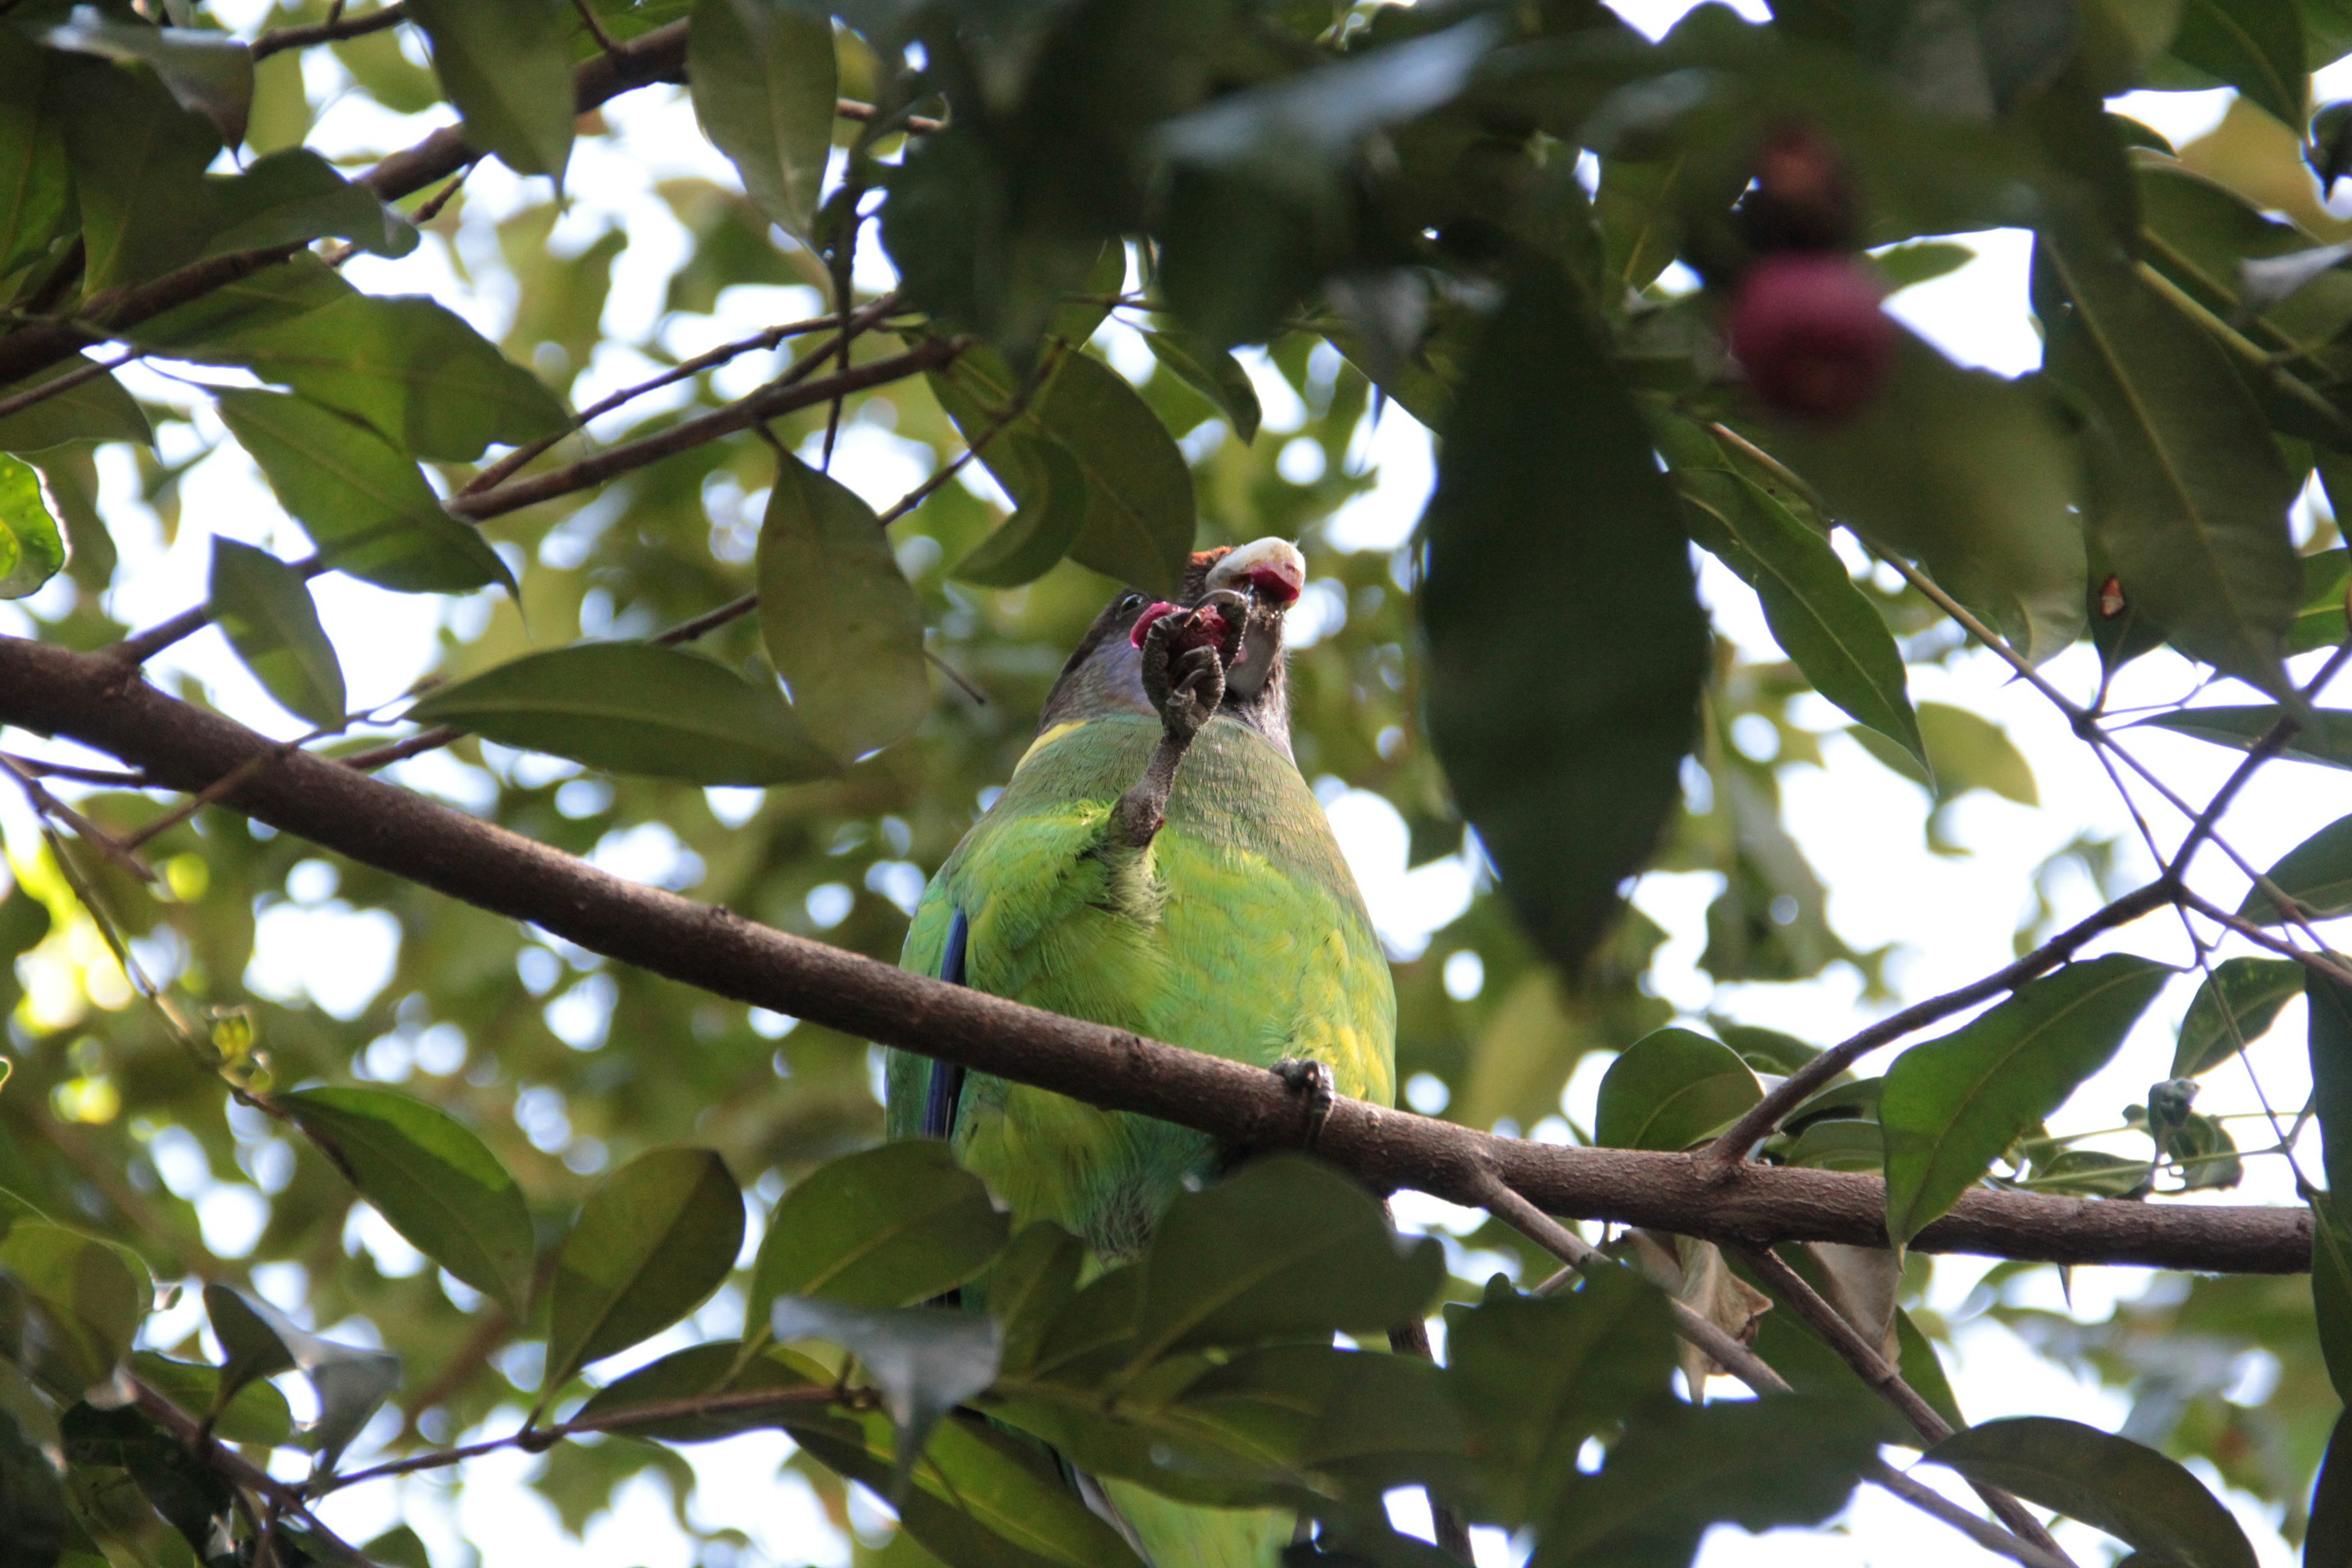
(101, 703)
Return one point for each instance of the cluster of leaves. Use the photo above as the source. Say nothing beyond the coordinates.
(1470, 216)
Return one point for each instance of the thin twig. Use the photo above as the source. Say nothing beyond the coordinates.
(595, 26)
(916, 124)
(2273, 741)
(90, 833)
(1930, 1501)
(58, 386)
(215, 791)
(78, 775)
(333, 30)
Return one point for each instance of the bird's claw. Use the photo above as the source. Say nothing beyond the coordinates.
(1312, 1081)
(1185, 656)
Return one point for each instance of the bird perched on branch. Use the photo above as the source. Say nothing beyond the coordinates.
(1156, 863)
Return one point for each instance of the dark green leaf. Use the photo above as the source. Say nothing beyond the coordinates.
(89, 1297)
(1672, 1088)
(633, 707)
(293, 196)
(1213, 373)
(763, 81)
(1033, 540)
(1921, 261)
(35, 189)
(2109, 1483)
(209, 73)
(32, 550)
(2327, 1540)
(1535, 1376)
(2316, 874)
(364, 504)
(398, 1547)
(138, 159)
(1969, 475)
(1766, 1050)
(1566, 644)
(2188, 492)
(2326, 736)
(655, 1237)
(1836, 1143)
(99, 409)
(508, 68)
(1139, 516)
(1680, 1469)
(2088, 1173)
(2329, 1043)
(1029, 1284)
(257, 1413)
(430, 1177)
(2320, 622)
(192, 1498)
(33, 1518)
(925, 1360)
(840, 620)
(723, 1366)
(2233, 1007)
(888, 1227)
(2331, 1287)
(1364, 1420)
(263, 606)
(2254, 46)
(1953, 1105)
(250, 1347)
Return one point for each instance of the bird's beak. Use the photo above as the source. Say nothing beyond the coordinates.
(1271, 573)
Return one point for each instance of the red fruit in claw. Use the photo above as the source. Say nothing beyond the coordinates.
(1807, 327)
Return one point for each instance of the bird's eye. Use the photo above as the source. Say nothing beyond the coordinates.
(1129, 601)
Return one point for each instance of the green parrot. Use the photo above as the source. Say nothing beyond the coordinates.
(1157, 864)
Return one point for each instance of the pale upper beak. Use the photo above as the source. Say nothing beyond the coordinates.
(1271, 568)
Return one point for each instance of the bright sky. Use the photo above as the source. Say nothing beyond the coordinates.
(1950, 918)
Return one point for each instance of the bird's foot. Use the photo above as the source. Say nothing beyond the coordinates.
(1312, 1081)
(1185, 656)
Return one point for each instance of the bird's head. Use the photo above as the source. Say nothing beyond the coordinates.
(1105, 672)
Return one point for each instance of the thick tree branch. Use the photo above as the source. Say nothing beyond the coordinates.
(101, 704)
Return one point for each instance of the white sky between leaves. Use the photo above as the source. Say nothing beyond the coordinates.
(1950, 919)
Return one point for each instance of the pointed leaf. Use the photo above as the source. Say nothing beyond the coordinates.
(2320, 622)
(256, 1413)
(1672, 1088)
(840, 620)
(1033, 540)
(91, 1300)
(250, 1347)
(294, 197)
(2316, 874)
(263, 606)
(2329, 1042)
(430, 1177)
(364, 504)
(655, 1237)
(1969, 475)
(99, 409)
(138, 159)
(2109, 1483)
(1566, 644)
(1029, 1284)
(1212, 372)
(208, 72)
(2254, 46)
(2189, 494)
(888, 1227)
(2236, 1005)
(926, 1361)
(35, 188)
(508, 68)
(350, 1383)
(1952, 1105)
(723, 1366)
(2327, 1539)
(2326, 736)
(1139, 509)
(32, 547)
(762, 77)
(633, 707)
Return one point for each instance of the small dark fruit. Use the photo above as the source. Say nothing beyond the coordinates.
(1807, 327)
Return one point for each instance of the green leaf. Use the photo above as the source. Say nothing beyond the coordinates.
(250, 1346)
(889, 1228)
(408, 366)
(508, 68)
(2089, 1174)
(2254, 46)
(1029, 1284)
(2315, 874)
(1139, 509)
(1820, 619)
(2329, 1043)
(2189, 494)
(1213, 373)
(194, 1498)
(1033, 540)
(840, 620)
(99, 409)
(2324, 736)
(1836, 1143)
(91, 1300)
(207, 72)
(1535, 1376)
(431, 1178)
(138, 162)
(1680, 1469)
(33, 1516)
(364, 504)
(722, 1366)
(1968, 751)
(2109, 1483)
(256, 1413)
(633, 707)
(1566, 644)
(36, 201)
(926, 1361)
(2320, 622)
(294, 197)
(1672, 1088)
(2235, 1005)
(32, 549)
(1953, 1105)
(1920, 261)
(2331, 1287)
(762, 76)
(2327, 1540)
(1971, 475)
(263, 606)
(654, 1238)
